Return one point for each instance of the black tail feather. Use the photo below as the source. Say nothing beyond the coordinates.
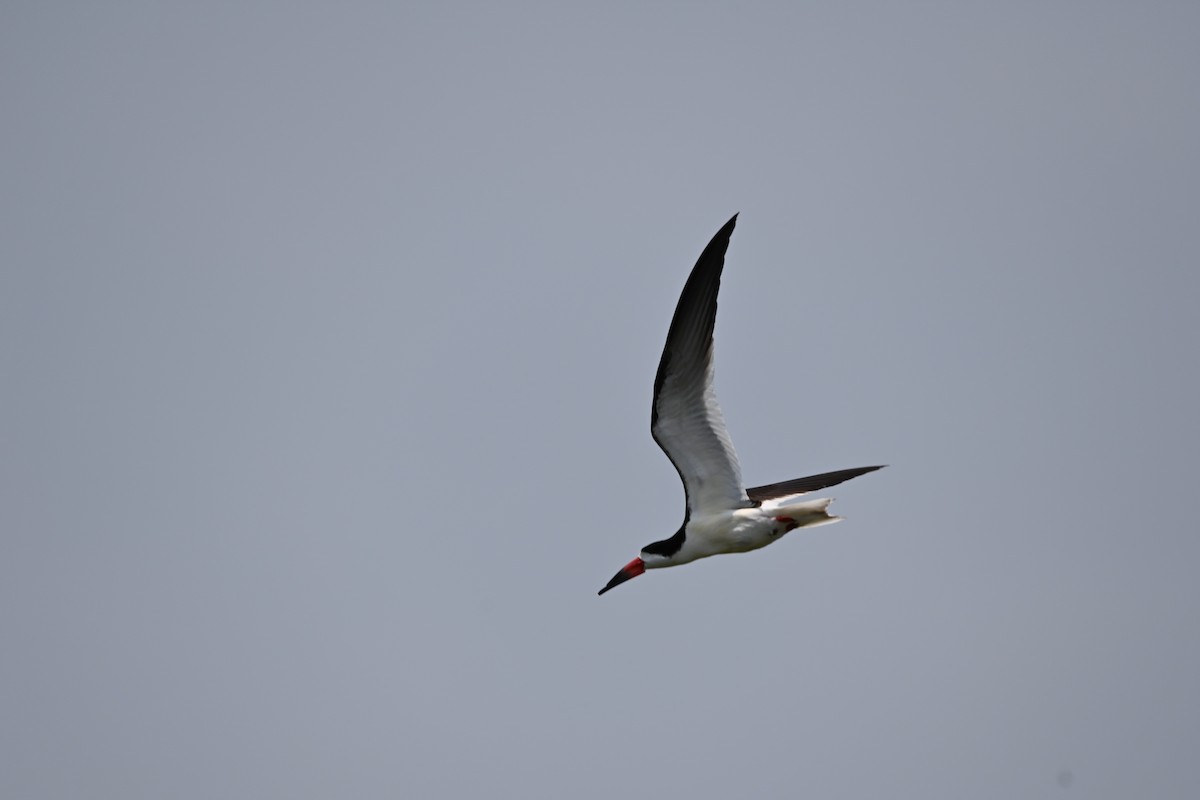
(810, 484)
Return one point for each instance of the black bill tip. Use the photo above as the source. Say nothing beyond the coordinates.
(630, 570)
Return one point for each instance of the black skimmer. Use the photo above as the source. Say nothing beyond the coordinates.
(721, 515)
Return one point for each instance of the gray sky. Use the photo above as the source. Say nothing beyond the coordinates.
(328, 335)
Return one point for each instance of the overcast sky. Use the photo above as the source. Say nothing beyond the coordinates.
(328, 333)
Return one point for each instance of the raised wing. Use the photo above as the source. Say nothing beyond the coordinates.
(685, 419)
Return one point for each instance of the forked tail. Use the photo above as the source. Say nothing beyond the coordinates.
(806, 514)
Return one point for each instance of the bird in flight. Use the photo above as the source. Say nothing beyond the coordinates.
(721, 515)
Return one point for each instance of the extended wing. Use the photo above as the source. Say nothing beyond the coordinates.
(803, 485)
(685, 419)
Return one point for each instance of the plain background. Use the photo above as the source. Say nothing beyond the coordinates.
(327, 335)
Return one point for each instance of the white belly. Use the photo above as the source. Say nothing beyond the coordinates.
(745, 529)
(736, 531)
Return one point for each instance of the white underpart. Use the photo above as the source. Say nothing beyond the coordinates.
(743, 529)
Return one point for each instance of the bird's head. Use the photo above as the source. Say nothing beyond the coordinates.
(630, 570)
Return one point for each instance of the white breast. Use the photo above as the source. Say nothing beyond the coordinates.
(735, 531)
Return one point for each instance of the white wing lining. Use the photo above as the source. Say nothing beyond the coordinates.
(686, 420)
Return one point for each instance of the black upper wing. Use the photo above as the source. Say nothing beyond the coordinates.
(810, 484)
